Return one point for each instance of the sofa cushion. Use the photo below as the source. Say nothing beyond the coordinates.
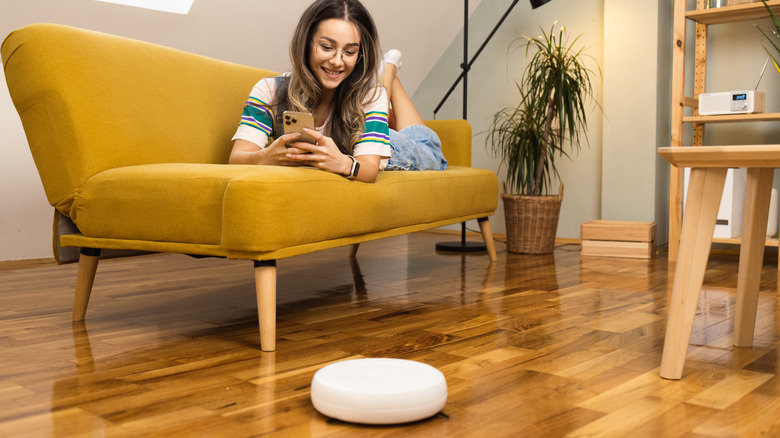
(279, 207)
(265, 208)
(175, 202)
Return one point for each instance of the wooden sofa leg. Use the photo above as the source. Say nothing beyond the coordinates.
(88, 262)
(487, 235)
(265, 287)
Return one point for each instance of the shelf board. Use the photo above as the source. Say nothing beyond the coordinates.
(770, 241)
(764, 155)
(733, 14)
(732, 118)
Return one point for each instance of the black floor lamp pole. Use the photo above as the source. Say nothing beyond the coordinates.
(466, 65)
(463, 245)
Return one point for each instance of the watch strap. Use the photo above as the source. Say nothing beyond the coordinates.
(353, 173)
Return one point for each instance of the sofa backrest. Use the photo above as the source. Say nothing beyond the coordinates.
(90, 101)
(455, 136)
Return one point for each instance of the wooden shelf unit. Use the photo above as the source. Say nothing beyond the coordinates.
(702, 17)
(732, 14)
(730, 118)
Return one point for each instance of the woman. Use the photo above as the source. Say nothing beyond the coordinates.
(334, 54)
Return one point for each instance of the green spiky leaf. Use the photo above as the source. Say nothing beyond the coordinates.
(773, 38)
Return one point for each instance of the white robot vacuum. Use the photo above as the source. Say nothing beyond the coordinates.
(378, 391)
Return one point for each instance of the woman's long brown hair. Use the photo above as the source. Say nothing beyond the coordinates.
(301, 91)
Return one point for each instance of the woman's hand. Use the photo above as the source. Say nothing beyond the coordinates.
(326, 155)
(275, 154)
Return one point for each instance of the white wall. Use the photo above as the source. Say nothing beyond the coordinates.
(251, 32)
(637, 101)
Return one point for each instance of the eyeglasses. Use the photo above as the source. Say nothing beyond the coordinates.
(326, 52)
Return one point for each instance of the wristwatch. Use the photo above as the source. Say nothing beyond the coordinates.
(353, 173)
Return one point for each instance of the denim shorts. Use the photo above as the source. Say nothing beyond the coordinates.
(416, 147)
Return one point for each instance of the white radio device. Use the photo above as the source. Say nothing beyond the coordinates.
(733, 102)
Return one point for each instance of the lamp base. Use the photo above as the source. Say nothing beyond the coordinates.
(461, 246)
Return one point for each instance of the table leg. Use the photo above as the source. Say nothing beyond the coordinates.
(701, 211)
(758, 190)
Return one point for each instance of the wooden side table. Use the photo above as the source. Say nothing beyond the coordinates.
(708, 173)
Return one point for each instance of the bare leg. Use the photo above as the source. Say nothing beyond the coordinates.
(404, 111)
(389, 73)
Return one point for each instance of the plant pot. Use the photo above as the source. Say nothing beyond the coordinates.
(531, 221)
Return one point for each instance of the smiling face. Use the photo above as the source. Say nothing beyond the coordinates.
(341, 39)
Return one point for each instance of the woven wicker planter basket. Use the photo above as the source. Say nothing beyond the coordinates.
(531, 221)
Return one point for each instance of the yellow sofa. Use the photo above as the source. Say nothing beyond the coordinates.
(131, 142)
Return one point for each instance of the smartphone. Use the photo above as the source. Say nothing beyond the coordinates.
(295, 121)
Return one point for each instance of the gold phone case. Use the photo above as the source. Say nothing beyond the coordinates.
(295, 121)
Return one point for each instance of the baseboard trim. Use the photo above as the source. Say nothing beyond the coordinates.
(501, 237)
(26, 263)
(29, 263)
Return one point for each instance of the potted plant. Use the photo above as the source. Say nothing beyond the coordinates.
(529, 137)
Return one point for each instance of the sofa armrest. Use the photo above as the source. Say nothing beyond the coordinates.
(455, 138)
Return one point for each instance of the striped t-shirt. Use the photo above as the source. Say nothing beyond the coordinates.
(258, 118)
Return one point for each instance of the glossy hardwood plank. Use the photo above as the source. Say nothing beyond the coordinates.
(547, 346)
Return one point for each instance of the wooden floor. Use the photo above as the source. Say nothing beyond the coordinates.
(530, 346)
